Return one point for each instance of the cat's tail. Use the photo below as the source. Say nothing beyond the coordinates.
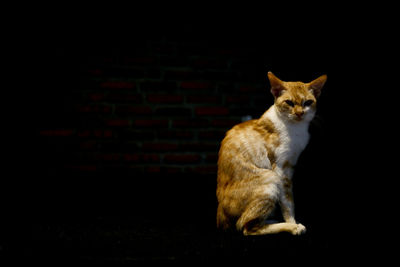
(222, 219)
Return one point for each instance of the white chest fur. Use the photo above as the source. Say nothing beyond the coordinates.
(293, 138)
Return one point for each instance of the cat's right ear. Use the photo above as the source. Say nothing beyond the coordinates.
(317, 85)
(276, 85)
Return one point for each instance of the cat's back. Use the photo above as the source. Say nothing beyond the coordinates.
(240, 132)
(241, 138)
(246, 143)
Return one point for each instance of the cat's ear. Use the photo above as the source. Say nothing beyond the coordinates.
(276, 84)
(317, 85)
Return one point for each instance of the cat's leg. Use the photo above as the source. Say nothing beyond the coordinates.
(255, 214)
(293, 228)
(287, 207)
(287, 204)
(264, 195)
(286, 200)
(252, 221)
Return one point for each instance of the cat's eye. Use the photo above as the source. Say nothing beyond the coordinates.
(308, 103)
(289, 102)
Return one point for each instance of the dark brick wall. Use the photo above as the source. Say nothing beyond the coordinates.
(124, 117)
(158, 105)
(143, 117)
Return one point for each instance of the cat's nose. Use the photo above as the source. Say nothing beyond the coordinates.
(299, 114)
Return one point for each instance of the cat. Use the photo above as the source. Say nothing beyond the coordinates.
(256, 161)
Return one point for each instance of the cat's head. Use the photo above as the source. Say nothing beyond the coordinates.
(296, 101)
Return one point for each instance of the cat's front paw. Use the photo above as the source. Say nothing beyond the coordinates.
(299, 229)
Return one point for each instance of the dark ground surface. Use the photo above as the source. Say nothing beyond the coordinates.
(166, 223)
(117, 224)
(106, 239)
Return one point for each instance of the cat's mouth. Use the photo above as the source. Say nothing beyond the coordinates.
(296, 118)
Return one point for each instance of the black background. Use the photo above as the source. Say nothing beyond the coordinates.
(172, 217)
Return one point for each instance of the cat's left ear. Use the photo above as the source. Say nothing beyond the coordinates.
(276, 84)
(317, 85)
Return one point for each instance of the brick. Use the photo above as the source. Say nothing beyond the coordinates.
(174, 111)
(108, 157)
(131, 73)
(243, 111)
(165, 99)
(197, 85)
(142, 158)
(133, 110)
(99, 133)
(117, 122)
(197, 146)
(138, 134)
(163, 169)
(102, 109)
(190, 123)
(175, 135)
(211, 111)
(151, 123)
(124, 98)
(182, 75)
(159, 147)
(158, 86)
(195, 99)
(117, 145)
(103, 133)
(182, 158)
(118, 85)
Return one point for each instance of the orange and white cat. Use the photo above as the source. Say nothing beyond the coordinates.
(257, 158)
